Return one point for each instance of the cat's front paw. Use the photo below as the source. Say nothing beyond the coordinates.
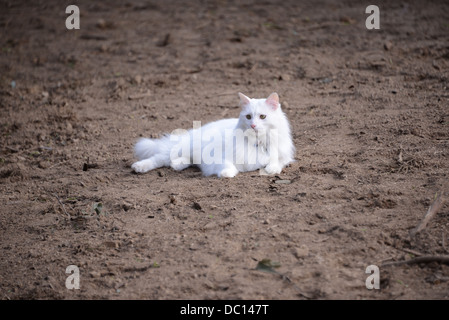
(179, 164)
(228, 173)
(140, 167)
(273, 168)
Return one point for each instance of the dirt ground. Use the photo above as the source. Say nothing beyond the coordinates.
(370, 119)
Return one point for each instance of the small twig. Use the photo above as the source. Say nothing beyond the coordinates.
(283, 277)
(409, 251)
(57, 164)
(300, 292)
(12, 149)
(88, 165)
(443, 243)
(385, 260)
(92, 37)
(422, 259)
(400, 156)
(229, 93)
(320, 240)
(138, 96)
(29, 149)
(433, 209)
(416, 253)
(62, 205)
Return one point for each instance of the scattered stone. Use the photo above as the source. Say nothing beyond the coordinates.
(285, 77)
(88, 165)
(101, 23)
(15, 172)
(33, 89)
(196, 206)
(283, 181)
(43, 164)
(93, 37)
(210, 225)
(301, 252)
(165, 41)
(139, 96)
(388, 45)
(138, 79)
(326, 80)
(69, 128)
(435, 65)
(347, 20)
(320, 216)
(104, 48)
(111, 244)
(127, 206)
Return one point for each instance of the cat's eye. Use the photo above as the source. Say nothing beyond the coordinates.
(248, 116)
(262, 116)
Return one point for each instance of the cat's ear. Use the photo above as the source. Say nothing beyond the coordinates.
(244, 100)
(273, 100)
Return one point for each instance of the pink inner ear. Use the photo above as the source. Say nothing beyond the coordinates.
(244, 100)
(273, 100)
(273, 103)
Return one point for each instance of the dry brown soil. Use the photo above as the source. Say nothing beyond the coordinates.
(370, 120)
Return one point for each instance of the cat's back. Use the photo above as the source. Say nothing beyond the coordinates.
(220, 125)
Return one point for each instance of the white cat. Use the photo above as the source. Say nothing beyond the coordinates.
(259, 139)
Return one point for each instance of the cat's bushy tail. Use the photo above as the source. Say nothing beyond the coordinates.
(146, 148)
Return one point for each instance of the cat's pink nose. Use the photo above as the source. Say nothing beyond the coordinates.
(253, 126)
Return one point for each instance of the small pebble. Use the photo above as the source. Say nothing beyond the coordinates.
(283, 181)
(127, 206)
(301, 252)
(138, 79)
(388, 45)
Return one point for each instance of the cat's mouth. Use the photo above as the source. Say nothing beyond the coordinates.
(259, 129)
(259, 132)
(254, 131)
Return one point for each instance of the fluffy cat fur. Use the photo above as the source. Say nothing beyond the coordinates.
(267, 143)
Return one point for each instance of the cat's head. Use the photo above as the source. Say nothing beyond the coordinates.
(260, 114)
